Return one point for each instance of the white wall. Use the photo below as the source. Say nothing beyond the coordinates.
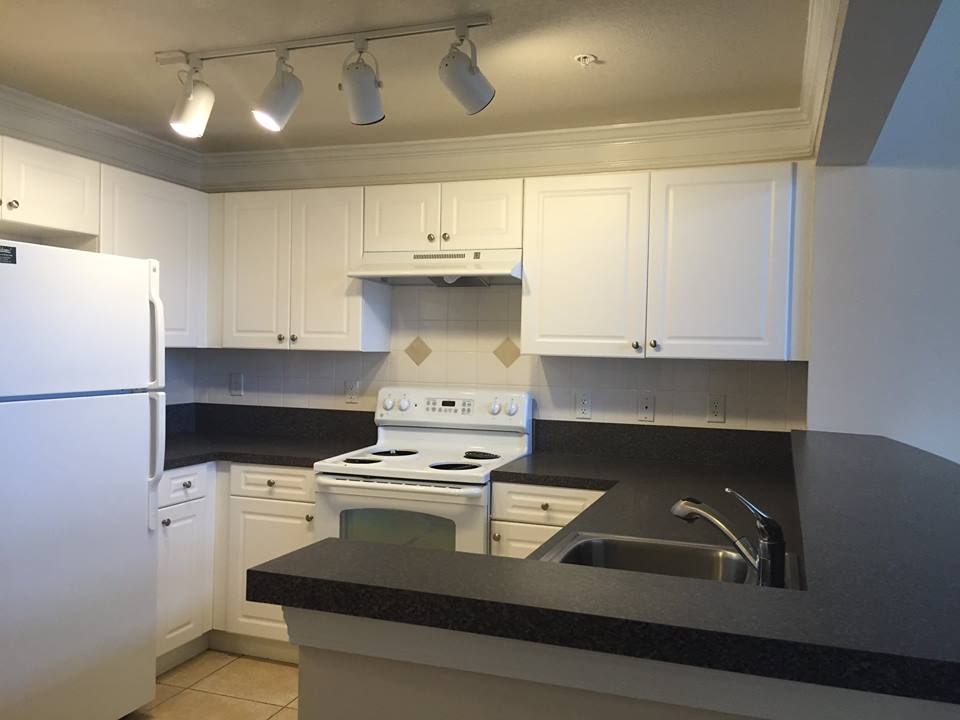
(462, 327)
(885, 328)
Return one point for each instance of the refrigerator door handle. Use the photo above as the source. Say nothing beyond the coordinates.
(157, 328)
(158, 446)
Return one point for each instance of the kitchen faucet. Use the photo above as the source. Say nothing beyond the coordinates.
(769, 561)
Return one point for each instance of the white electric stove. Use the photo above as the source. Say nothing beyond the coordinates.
(425, 481)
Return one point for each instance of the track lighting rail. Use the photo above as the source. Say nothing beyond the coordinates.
(195, 58)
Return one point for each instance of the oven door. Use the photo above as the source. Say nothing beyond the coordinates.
(402, 512)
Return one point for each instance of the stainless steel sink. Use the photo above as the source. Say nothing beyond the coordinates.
(661, 557)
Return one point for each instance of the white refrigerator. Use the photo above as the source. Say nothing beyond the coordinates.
(81, 454)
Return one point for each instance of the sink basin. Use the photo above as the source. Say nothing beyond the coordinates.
(661, 557)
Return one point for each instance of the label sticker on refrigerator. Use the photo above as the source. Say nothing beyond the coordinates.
(8, 255)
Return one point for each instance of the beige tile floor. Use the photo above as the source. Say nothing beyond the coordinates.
(219, 686)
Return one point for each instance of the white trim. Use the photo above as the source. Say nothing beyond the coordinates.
(783, 134)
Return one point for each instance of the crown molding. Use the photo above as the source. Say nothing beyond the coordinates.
(790, 133)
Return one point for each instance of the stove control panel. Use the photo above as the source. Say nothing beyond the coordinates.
(485, 408)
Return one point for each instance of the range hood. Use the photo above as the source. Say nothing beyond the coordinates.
(444, 268)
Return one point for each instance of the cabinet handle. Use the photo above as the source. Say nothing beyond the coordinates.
(281, 337)
(635, 344)
(271, 483)
(654, 344)
(446, 236)
(496, 537)
(13, 204)
(544, 506)
(293, 338)
(165, 522)
(308, 517)
(431, 237)
(187, 484)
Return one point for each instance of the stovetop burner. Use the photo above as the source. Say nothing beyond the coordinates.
(479, 455)
(394, 453)
(454, 466)
(361, 461)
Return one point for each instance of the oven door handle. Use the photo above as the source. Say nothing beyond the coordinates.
(468, 491)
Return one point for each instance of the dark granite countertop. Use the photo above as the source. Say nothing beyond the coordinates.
(191, 448)
(881, 611)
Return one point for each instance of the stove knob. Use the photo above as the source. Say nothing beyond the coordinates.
(388, 403)
(404, 404)
(512, 408)
(495, 408)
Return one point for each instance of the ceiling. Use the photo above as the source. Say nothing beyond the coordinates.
(661, 59)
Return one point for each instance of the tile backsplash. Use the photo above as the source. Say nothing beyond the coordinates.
(471, 337)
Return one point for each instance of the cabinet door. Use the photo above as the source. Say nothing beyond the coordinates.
(256, 279)
(401, 217)
(147, 218)
(184, 574)
(585, 265)
(481, 215)
(518, 540)
(325, 304)
(261, 530)
(50, 189)
(720, 262)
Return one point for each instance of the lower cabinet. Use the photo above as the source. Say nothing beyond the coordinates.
(184, 573)
(518, 540)
(259, 530)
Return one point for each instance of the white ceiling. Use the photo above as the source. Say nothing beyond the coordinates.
(662, 59)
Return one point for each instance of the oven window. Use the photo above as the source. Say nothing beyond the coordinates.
(398, 527)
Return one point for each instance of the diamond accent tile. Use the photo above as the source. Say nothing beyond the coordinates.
(418, 350)
(507, 352)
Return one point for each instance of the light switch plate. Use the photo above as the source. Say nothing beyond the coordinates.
(647, 407)
(236, 384)
(583, 406)
(717, 409)
(351, 392)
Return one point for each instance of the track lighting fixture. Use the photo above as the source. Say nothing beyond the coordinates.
(361, 84)
(463, 78)
(192, 110)
(280, 97)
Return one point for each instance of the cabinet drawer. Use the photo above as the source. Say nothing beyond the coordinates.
(268, 481)
(182, 484)
(518, 540)
(540, 504)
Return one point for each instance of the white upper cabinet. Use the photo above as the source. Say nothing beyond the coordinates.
(401, 217)
(481, 215)
(720, 244)
(147, 218)
(256, 267)
(585, 265)
(475, 215)
(49, 189)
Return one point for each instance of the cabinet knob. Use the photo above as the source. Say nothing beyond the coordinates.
(13, 204)
(496, 537)
(446, 236)
(308, 517)
(281, 337)
(544, 506)
(654, 344)
(271, 483)
(431, 237)
(187, 484)
(635, 344)
(293, 338)
(165, 522)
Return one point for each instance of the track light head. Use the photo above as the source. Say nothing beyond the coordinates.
(280, 97)
(459, 72)
(193, 107)
(361, 84)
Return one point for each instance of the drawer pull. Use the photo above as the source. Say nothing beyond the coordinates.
(187, 484)
(496, 537)
(165, 522)
(271, 483)
(544, 506)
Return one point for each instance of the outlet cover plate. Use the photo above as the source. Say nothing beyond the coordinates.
(717, 408)
(582, 405)
(236, 384)
(647, 407)
(351, 392)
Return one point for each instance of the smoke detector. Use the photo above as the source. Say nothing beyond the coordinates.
(585, 60)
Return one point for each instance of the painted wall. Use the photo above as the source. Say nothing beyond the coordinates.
(885, 325)
(463, 327)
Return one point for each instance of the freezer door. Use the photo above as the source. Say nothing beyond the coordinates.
(77, 322)
(78, 597)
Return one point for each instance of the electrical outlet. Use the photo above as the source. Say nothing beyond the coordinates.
(236, 384)
(647, 406)
(717, 409)
(351, 392)
(583, 407)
